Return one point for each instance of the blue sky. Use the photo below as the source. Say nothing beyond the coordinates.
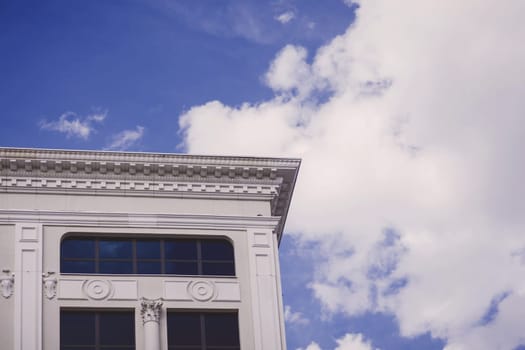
(406, 228)
(142, 62)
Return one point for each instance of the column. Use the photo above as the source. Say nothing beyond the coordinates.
(150, 311)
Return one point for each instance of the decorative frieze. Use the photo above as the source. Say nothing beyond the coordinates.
(202, 290)
(7, 282)
(97, 289)
(167, 187)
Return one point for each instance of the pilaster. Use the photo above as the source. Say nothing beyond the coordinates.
(28, 286)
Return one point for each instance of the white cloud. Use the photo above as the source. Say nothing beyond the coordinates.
(349, 341)
(410, 126)
(351, 3)
(353, 342)
(296, 318)
(285, 17)
(290, 72)
(126, 139)
(98, 117)
(74, 125)
(311, 346)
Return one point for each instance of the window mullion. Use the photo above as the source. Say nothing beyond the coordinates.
(162, 257)
(199, 257)
(97, 256)
(204, 346)
(97, 331)
(134, 259)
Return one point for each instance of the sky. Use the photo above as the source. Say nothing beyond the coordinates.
(406, 229)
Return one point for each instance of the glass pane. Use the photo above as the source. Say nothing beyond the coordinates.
(222, 329)
(77, 328)
(117, 328)
(184, 328)
(216, 250)
(148, 267)
(218, 268)
(182, 268)
(123, 267)
(78, 248)
(148, 249)
(180, 249)
(120, 249)
(77, 267)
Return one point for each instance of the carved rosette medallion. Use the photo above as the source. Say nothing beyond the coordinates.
(150, 310)
(49, 283)
(97, 289)
(7, 282)
(201, 290)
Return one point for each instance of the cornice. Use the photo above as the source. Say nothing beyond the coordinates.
(152, 162)
(137, 220)
(113, 173)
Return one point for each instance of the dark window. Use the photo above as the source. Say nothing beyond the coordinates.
(97, 330)
(203, 330)
(174, 256)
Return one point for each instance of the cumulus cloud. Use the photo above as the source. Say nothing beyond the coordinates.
(73, 125)
(410, 126)
(285, 17)
(295, 318)
(126, 139)
(349, 341)
(311, 346)
(289, 72)
(353, 342)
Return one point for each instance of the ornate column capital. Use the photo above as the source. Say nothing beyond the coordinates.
(150, 310)
(6, 283)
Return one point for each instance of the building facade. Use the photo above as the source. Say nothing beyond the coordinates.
(114, 250)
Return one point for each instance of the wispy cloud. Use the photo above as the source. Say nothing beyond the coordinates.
(126, 139)
(285, 17)
(351, 3)
(73, 125)
(294, 317)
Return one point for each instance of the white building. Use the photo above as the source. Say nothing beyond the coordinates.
(107, 250)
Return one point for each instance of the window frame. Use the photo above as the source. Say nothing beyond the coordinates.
(98, 313)
(202, 329)
(199, 260)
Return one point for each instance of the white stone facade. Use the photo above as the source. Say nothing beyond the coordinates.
(46, 195)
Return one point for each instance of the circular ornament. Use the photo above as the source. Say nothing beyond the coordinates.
(97, 289)
(201, 290)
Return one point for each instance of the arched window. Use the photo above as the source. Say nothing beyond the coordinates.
(145, 255)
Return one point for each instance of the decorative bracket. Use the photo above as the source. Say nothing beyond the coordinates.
(150, 310)
(7, 283)
(49, 282)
